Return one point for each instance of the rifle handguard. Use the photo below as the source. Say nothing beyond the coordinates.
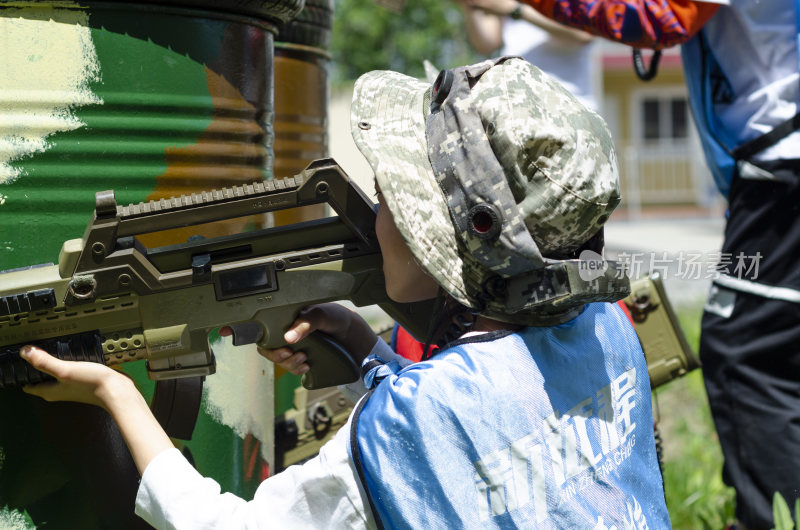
(15, 371)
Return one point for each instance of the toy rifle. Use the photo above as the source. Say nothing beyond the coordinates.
(111, 300)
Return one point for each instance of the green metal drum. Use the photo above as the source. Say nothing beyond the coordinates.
(150, 99)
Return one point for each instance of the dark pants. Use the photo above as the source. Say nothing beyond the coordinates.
(751, 358)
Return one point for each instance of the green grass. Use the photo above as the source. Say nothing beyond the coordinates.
(696, 495)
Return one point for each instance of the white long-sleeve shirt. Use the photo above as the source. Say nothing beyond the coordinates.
(324, 492)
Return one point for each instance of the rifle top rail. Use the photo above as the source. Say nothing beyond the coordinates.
(193, 200)
(113, 226)
(323, 181)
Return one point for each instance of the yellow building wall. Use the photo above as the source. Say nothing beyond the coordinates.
(665, 174)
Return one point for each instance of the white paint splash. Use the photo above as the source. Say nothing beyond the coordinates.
(241, 393)
(47, 63)
(13, 520)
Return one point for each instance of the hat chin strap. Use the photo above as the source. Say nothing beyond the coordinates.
(542, 319)
(565, 284)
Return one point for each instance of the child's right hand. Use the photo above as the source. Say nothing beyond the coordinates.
(346, 327)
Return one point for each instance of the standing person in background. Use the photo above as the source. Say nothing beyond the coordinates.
(740, 61)
(508, 27)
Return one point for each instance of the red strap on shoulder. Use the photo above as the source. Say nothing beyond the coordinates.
(406, 345)
(625, 310)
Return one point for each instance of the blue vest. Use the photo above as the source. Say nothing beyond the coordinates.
(708, 85)
(546, 428)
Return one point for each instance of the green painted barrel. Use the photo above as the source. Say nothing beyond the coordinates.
(150, 99)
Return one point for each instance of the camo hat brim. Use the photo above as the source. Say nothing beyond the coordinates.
(388, 126)
(557, 159)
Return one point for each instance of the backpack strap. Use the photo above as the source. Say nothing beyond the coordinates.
(756, 145)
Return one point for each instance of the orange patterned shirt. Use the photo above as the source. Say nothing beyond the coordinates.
(653, 24)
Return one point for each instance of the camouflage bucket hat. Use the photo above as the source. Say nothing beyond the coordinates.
(488, 173)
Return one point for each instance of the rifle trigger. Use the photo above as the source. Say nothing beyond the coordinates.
(247, 333)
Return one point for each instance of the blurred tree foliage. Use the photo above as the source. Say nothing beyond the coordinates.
(367, 36)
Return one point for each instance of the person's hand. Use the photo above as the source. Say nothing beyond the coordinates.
(81, 382)
(293, 362)
(97, 384)
(345, 326)
(504, 8)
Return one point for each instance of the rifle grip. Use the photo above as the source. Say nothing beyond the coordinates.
(331, 365)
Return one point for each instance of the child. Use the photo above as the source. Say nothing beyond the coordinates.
(533, 412)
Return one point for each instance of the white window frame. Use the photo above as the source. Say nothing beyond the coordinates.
(663, 93)
(642, 151)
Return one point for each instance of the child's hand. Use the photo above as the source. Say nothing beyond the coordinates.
(345, 326)
(81, 382)
(284, 357)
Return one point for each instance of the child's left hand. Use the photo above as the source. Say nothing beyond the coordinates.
(81, 382)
